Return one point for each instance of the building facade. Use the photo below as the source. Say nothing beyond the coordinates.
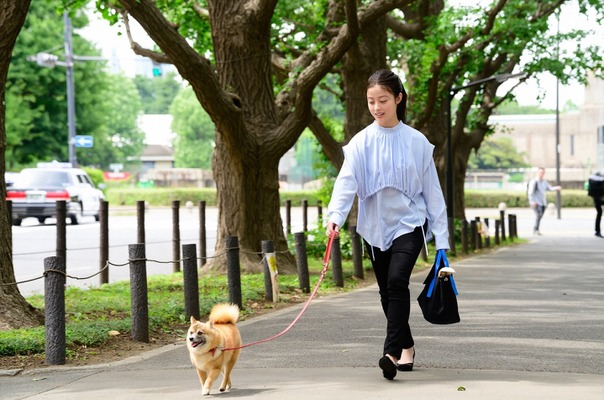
(581, 137)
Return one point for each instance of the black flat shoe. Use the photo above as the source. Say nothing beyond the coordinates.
(407, 366)
(388, 368)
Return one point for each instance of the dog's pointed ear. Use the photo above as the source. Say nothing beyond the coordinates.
(193, 320)
(211, 324)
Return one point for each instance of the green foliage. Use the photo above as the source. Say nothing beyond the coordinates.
(37, 99)
(160, 196)
(157, 93)
(497, 153)
(124, 196)
(491, 199)
(194, 142)
(327, 99)
(118, 138)
(308, 153)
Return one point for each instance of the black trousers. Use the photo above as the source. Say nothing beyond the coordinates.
(392, 270)
(598, 204)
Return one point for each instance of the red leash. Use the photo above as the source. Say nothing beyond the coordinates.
(323, 272)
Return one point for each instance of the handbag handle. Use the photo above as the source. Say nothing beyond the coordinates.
(440, 256)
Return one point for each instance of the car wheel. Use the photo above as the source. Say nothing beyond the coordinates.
(41, 220)
(97, 217)
(76, 218)
(17, 221)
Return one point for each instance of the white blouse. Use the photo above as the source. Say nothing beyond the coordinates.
(393, 173)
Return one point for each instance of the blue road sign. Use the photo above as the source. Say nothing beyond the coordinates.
(83, 141)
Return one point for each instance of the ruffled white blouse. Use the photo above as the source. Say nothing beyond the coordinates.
(393, 173)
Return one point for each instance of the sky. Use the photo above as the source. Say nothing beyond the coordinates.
(112, 45)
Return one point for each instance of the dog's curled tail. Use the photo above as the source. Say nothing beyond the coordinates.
(224, 313)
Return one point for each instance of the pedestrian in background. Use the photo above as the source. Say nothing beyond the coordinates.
(389, 166)
(537, 190)
(595, 189)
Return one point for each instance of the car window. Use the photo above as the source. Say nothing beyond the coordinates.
(88, 181)
(29, 178)
(84, 180)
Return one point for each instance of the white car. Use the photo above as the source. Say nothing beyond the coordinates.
(35, 191)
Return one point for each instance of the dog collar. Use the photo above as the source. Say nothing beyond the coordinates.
(213, 351)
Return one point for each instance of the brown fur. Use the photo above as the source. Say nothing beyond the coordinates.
(205, 342)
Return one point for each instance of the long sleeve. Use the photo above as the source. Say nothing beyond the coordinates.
(344, 190)
(531, 191)
(435, 207)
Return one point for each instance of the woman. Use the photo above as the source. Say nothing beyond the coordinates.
(389, 166)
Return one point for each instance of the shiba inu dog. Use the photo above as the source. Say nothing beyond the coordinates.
(206, 342)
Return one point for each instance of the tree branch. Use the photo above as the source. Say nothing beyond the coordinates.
(136, 47)
(404, 30)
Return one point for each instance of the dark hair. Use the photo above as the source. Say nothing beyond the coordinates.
(391, 82)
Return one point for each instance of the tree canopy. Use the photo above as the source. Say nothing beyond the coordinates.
(194, 142)
(157, 93)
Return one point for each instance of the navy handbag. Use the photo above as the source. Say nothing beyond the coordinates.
(438, 299)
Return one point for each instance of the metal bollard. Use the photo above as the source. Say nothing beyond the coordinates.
(61, 208)
(233, 270)
(320, 212)
(302, 261)
(190, 280)
(497, 225)
(513, 227)
(140, 221)
(139, 304)
(54, 310)
(502, 223)
(176, 235)
(270, 269)
(474, 235)
(288, 216)
(357, 253)
(104, 242)
(336, 263)
(464, 236)
(267, 247)
(202, 234)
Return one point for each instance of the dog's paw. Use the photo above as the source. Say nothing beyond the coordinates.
(205, 392)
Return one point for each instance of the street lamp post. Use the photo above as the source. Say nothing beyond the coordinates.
(449, 176)
(70, 90)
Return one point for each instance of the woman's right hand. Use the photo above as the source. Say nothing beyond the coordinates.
(332, 230)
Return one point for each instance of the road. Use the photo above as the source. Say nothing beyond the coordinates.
(33, 242)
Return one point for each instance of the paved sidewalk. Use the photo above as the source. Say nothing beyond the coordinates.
(532, 328)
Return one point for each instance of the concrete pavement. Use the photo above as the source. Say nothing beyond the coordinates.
(532, 328)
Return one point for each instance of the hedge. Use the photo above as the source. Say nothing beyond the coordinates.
(473, 198)
(165, 196)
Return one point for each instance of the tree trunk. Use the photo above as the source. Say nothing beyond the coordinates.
(243, 184)
(15, 311)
